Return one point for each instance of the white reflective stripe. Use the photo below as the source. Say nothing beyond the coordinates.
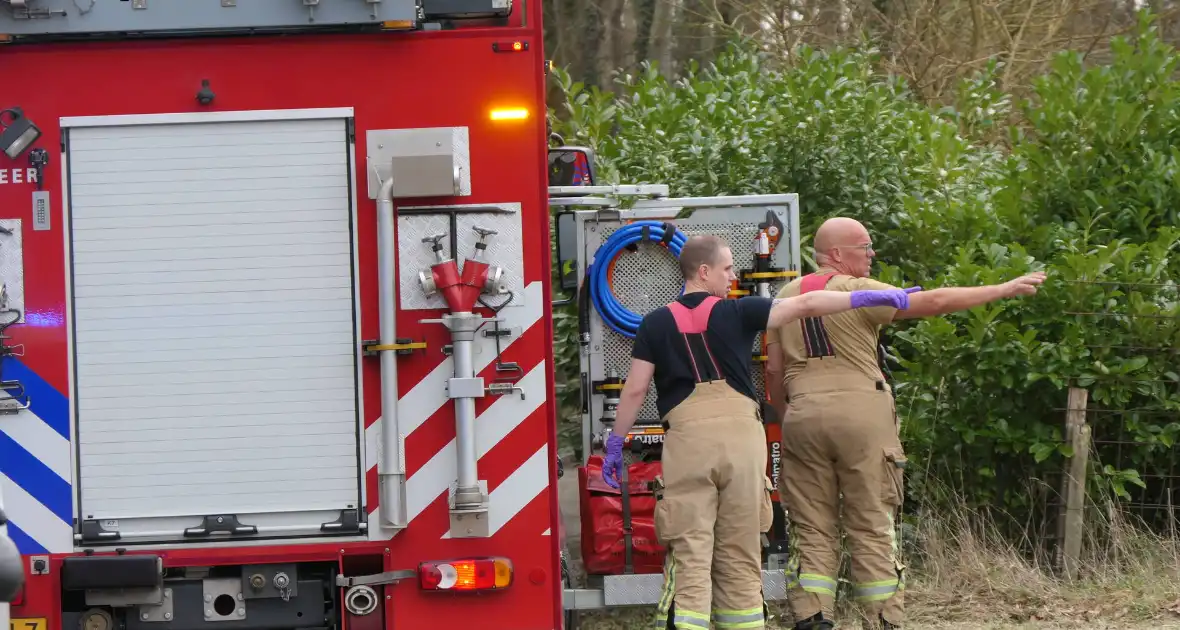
(40, 440)
(428, 395)
(492, 426)
(521, 487)
(34, 519)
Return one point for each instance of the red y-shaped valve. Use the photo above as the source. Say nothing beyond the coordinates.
(461, 292)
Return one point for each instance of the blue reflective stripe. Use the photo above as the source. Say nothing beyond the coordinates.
(44, 400)
(36, 478)
(24, 544)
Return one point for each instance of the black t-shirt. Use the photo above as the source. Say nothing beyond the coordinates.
(733, 324)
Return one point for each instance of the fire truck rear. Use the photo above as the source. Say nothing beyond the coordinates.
(241, 389)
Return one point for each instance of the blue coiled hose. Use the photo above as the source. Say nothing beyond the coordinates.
(616, 316)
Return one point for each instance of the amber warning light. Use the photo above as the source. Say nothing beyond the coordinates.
(470, 574)
(510, 113)
(508, 47)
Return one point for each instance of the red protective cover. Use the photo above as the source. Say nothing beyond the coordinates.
(602, 520)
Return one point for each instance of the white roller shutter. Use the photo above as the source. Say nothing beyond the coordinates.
(214, 325)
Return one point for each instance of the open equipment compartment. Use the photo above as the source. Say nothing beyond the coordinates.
(642, 276)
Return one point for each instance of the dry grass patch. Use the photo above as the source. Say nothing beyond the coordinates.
(967, 571)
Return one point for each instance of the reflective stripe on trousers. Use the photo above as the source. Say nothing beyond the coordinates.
(749, 618)
(820, 584)
(875, 591)
(667, 593)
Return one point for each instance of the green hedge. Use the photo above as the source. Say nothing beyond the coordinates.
(1085, 186)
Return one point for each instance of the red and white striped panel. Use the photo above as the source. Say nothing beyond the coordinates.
(518, 471)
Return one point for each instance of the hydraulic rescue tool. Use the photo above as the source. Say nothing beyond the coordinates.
(757, 281)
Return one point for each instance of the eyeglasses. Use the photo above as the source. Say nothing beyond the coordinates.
(867, 247)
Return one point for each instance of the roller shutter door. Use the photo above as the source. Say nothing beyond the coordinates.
(214, 326)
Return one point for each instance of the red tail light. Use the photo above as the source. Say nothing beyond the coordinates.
(465, 574)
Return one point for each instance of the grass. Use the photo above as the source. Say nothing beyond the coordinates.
(965, 576)
(967, 571)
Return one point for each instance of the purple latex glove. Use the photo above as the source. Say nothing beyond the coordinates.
(612, 465)
(897, 298)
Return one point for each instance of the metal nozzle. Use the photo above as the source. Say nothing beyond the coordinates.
(436, 246)
(482, 245)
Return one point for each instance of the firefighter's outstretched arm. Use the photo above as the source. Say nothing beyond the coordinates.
(952, 299)
(820, 303)
(630, 400)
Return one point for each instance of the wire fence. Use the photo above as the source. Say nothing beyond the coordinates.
(1131, 405)
(1117, 347)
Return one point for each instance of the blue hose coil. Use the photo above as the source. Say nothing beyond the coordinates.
(614, 314)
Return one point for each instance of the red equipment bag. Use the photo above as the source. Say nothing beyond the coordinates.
(604, 536)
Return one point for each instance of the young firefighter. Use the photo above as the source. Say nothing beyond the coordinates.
(840, 433)
(715, 500)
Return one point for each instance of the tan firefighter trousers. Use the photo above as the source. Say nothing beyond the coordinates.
(710, 514)
(840, 435)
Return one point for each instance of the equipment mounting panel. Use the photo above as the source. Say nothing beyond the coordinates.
(648, 278)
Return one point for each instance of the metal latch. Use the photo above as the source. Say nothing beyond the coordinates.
(502, 388)
(388, 577)
(220, 524)
(20, 11)
(372, 347)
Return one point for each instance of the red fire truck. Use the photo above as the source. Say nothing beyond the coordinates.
(272, 350)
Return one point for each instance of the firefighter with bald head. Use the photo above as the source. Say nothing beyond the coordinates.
(840, 431)
(713, 500)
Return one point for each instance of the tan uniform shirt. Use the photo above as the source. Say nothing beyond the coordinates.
(843, 345)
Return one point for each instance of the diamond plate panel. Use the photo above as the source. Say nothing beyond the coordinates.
(645, 588)
(12, 269)
(413, 256)
(505, 248)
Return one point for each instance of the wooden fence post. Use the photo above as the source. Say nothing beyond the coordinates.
(1077, 435)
